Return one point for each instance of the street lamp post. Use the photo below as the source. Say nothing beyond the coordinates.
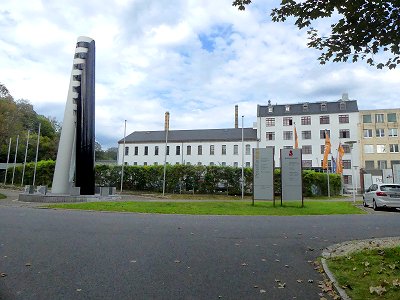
(242, 160)
(353, 181)
(123, 159)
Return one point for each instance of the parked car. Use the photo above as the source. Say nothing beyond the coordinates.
(382, 195)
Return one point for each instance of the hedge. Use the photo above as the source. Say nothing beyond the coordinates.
(179, 178)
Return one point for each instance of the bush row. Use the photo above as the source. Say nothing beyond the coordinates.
(179, 178)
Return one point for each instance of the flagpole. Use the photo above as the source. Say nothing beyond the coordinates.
(8, 158)
(26, 153)
(15, 161)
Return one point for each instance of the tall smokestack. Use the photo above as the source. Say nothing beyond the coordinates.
(166, 124)
(236, 116)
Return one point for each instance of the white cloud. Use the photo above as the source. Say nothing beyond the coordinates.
(196, 59)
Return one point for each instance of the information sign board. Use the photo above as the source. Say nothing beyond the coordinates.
(291, 174)
(263, 174)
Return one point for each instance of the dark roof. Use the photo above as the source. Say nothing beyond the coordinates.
(312, 108)
(194, 135)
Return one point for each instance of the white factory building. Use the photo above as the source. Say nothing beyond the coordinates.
(274, 127)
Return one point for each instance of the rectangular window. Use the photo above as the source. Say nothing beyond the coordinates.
(380, 148)
(211, 149)
(145, 164)
(199, 163)
(287, 121)
(323, 107)
(391, 117)
(178, 150)
(343, 119)
(347, 179)
(306, 120)
(369, 164)
(395, 162)
(247, 164)
(126, 150)
(307, 163)
(236, 164)
(188, 163)
(146, 150)
(167, 150)
(324, 120)
(306, 149)
(223, 152)
(223, 164)
(368, 148)
(379, 118)
(306, 135)
(380, 132)
(393, 132)
(200, 150)
(248, 149)
(235, 149)
(156, 163)
(367, 133)
(382, 164)
(367, 119)
(135, 163)
(394, 148)
(211, 163)
(288, 135)
(156, 150)
(270, 136)
(344, 133)
(346, 148)
(269, 122)
(342, 105)
(136, 150)
(346, 164)
(322, 133)
(188, 150)
(305, 106)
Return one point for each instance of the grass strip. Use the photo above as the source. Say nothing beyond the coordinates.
(2, 196)
(219, 208)
(369, 274)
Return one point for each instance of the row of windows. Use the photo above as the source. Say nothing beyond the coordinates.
(306, 134)
(306, 120)
(323, 107)
(381, 164)
(380, 132)
(235, 164)
(380, 118)
(393, 148)
(189, 150)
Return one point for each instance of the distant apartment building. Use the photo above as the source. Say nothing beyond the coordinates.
(379, 143)
(339, 119)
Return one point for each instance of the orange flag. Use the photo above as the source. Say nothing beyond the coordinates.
(327, 150)
(296, 139)
(339, 162)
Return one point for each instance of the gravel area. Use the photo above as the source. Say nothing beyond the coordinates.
(345, 248)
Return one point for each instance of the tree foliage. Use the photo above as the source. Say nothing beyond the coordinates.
(360, 29)
(16, 118)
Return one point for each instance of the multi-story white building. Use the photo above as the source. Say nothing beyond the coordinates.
(276, 124)
(219, 147)
(274, 128)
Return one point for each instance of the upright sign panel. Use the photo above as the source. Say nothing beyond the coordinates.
(396, 173)
(387, 175)
(263, 174)
(291, 174)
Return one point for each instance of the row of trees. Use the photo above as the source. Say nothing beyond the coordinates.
(181, 179)
(16, 118)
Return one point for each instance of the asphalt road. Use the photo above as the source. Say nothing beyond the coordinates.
(56, 254)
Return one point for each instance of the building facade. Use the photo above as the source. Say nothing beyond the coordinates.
(219, 147)
(339, 119)
(379, 132)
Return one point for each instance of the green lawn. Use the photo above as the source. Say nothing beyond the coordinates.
(2, 196)
(220, 208)
(358, 272)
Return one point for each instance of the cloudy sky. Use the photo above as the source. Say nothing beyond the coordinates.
(195, 59)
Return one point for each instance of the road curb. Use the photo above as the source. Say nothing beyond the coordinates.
(332, 278)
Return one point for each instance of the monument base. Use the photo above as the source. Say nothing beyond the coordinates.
(55, 198)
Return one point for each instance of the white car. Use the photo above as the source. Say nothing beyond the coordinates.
(382, 195)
